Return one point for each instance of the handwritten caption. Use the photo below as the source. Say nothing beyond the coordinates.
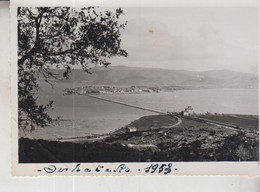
(154, 168)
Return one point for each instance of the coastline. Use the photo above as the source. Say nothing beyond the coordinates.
(189, 141)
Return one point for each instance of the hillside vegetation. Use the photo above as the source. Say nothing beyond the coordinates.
(120, 75)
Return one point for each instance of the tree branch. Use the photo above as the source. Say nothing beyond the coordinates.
(37, 37)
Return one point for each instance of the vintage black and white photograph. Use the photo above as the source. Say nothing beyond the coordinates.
(137, 84)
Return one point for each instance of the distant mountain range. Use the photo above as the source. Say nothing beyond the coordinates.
(128, 76)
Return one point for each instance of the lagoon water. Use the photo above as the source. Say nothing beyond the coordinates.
(83, 115)
(235, 101)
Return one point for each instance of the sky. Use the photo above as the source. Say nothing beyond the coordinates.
(191, 38)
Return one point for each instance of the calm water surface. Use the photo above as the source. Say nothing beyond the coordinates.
(83, 115)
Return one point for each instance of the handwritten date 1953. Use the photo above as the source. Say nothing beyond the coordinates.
(165, 168)
(121, 168)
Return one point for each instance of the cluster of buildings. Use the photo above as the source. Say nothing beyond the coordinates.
(187, 111)
(110, 90)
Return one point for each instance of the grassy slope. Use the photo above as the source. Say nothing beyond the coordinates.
(191, 141)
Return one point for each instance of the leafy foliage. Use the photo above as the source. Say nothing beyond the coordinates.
(60, 37)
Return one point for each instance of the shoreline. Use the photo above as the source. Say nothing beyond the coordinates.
(189, 141)
(92, 137)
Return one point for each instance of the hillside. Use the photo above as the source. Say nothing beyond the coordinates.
(152, 142)
(121, 75)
